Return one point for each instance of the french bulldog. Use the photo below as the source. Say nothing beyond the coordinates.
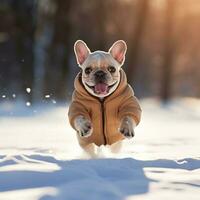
(101, 77)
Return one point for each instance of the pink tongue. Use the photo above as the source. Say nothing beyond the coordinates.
(101, 88)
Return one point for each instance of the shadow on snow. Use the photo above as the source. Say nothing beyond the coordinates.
(112, 179)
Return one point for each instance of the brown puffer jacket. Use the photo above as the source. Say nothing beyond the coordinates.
(105, 115)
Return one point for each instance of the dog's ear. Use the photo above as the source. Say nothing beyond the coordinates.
(118, 51)
(81, 51)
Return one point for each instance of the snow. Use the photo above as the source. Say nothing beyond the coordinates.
(28, 90)
(53, 101)
(28, 103)
(40, 158)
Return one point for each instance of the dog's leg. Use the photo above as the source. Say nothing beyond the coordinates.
(83, 126)
(127, 127)
(90, 150)
(116, 147)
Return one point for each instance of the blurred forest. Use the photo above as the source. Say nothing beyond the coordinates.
(37, 37)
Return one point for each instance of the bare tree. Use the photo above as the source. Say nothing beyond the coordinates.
(166, 84)
(100, 9)
(133, 52)
(62, 38)
(59, 51)
(24, 40)
(43, 38)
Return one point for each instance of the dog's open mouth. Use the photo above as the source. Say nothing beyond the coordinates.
(101, 88)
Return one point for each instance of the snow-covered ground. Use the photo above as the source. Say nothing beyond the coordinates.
(41, 160)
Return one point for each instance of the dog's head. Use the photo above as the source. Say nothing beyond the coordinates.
(100, 69)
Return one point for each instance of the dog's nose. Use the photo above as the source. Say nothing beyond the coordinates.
(100, 74)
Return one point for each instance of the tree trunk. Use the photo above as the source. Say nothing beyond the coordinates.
(133, 51)
(24, 40)
(59, 52)
(100, 15)
(166, 84)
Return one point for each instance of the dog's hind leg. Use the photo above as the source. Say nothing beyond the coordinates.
(116, 147)
(90, 150)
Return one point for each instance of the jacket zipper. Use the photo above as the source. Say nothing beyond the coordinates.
(103, 121)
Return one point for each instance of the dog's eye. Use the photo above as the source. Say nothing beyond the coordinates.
(111, 69)
(88, 70)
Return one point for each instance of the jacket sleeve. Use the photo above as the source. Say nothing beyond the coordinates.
(75, 109)
(130, 107)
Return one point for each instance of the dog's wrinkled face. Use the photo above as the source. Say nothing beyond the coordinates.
(100, 70)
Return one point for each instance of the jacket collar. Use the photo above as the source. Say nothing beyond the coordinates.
(79, 87)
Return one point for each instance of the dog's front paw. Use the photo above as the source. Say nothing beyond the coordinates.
(83, 126)
(127, 127)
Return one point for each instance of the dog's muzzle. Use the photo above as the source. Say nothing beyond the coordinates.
(100, 76)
